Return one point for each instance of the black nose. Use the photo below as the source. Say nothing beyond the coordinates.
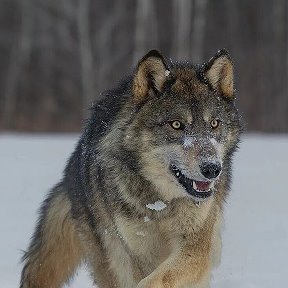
(210, 169)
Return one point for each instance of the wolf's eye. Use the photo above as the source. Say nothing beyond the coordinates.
(177, 125)
(215, 123)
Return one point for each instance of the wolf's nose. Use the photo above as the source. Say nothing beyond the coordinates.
(210, 169)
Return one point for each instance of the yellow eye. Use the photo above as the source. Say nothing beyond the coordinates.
(215, 123)
(177, 125)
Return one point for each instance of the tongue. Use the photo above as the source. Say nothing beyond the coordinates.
(202, 186)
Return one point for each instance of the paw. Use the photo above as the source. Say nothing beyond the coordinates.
(156, 282)
(151, 283)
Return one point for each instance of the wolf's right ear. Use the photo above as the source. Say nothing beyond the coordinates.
(219, 72)
(151, 74)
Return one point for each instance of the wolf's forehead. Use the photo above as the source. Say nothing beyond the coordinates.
(187, 83)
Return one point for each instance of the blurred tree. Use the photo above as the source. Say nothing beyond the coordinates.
(19, 56)
(182, 10)
(57, 56)
(198, 32)
(146, 28)
(85, 49)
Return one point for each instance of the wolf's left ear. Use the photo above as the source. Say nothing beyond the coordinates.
(151, 74)
(219, 72)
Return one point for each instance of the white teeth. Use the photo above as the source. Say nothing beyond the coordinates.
(167, 73)
(211, 185)
(177, 174)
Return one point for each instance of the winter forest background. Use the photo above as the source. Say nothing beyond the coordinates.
(57, 56)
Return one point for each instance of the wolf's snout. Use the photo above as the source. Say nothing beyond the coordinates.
(210, 169)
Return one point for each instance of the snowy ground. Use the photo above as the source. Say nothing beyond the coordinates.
(256, 232)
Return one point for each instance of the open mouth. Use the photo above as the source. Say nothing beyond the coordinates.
(198, 189)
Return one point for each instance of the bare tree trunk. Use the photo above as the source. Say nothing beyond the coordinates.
(199, 25)
(281, 106)
(68, 10)
(47, 59)
(232, 15)
(146, 36)
(286, 66)
(182, 28)
(105, 56)
(19, 56)
(86, 56)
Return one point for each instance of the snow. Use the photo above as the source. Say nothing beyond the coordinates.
(188, 141)
(255, 237)
(146, 219)
(157, 206)
(213, 141)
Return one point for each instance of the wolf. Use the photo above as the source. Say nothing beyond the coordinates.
(142, 196)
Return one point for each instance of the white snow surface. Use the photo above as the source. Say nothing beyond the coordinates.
(255, 236)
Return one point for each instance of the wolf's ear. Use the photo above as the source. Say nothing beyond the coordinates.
(150, 75)
(219, 72)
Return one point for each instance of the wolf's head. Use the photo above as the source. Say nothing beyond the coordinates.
(186, 126)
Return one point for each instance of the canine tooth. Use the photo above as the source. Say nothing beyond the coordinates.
(195, 186)
(177, 174)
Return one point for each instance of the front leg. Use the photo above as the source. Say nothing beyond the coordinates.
(189, 264)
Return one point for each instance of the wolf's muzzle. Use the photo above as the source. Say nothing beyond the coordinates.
(210, 170)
